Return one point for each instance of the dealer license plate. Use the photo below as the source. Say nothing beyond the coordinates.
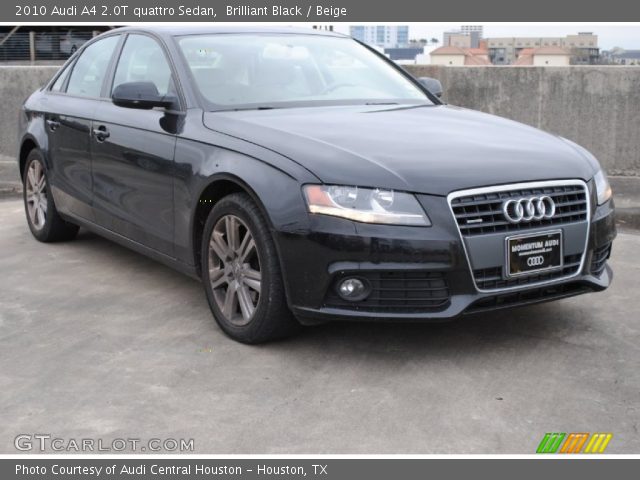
(533, 253)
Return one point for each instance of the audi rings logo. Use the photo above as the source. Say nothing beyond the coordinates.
(527, 209)
(535, 261)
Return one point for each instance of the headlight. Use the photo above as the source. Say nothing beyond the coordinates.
(367, 205)
(603, 189)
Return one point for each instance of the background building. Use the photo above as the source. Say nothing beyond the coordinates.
(468, 29)
(468, 36)
(475, 33)
(458, 57)
(583, 47)
(455, 38)
(406, 53)
(620, 56)
(385, 36)
(544, 57)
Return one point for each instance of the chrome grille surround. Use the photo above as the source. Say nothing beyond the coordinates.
(515, 190)
(482, 213)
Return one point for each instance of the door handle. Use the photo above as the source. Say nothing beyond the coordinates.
(101, 133)
(53, 125)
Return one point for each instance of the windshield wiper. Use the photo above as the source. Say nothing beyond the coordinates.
(381, 103)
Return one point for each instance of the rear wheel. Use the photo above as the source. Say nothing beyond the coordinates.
(241, 273)
(45, 223)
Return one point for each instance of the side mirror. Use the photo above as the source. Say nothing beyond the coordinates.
(431, 84)
(142, 95)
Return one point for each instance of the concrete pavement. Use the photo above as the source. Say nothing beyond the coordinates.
(99, 342)
(10, 184)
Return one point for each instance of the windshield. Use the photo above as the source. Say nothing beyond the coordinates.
(234, 71)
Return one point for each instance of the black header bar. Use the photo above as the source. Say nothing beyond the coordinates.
(318, 11)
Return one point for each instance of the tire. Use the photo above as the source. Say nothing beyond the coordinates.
(244, 284)
(43, 219)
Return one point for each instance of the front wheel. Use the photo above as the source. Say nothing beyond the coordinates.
(241, 273)
(45, 223)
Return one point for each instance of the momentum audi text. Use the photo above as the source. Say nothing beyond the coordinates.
(305, 178)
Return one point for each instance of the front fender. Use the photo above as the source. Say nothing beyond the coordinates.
(278, 195)
(272, 180)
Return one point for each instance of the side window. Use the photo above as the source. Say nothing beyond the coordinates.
(143, 60)
(90, 69)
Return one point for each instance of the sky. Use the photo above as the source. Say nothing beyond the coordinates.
(609, 35)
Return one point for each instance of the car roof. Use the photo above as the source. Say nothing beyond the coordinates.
(178, 30)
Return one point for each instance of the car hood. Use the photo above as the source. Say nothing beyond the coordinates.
(427, 149)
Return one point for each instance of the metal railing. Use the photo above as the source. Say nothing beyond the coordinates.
(33, 46)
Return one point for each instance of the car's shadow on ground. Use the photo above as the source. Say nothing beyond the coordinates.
(510, 328)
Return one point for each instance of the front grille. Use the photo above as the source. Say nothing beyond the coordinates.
(404, 291)
(479, 214)
(527, 297)
(599, 259)
(492, 278)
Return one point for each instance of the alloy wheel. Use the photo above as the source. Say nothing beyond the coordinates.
(234, 270)
(36, 195)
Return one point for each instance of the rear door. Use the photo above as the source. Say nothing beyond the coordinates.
(133, 152)
(70, 105)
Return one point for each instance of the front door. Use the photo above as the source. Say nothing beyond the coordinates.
(133, 153)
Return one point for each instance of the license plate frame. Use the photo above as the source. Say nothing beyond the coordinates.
(552, 260)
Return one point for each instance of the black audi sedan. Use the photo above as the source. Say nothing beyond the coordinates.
(304, 178)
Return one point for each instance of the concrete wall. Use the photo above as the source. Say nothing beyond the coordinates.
(16, 84)
(596, 107)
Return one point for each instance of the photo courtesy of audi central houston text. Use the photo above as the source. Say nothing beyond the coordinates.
(306, 178)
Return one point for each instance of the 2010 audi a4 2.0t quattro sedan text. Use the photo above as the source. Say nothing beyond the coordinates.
(304, 178)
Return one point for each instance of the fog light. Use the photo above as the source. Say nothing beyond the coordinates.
(353, 289)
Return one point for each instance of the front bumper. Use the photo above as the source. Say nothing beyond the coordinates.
(417, 258)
